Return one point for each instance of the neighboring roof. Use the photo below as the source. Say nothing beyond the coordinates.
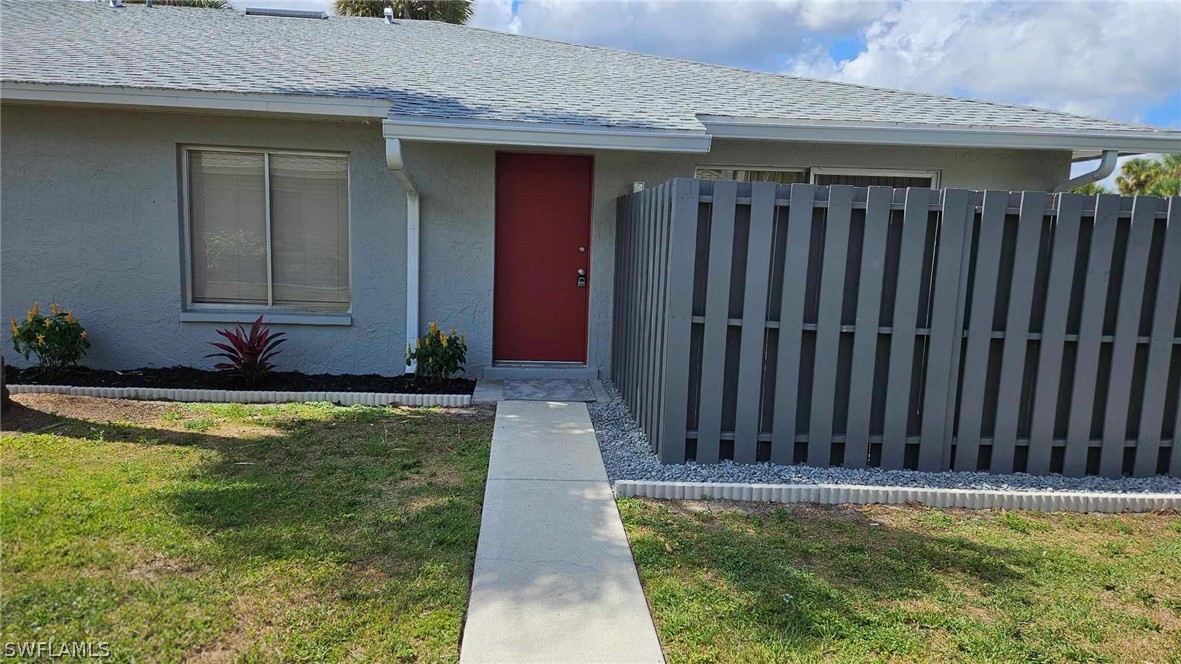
(433, 70)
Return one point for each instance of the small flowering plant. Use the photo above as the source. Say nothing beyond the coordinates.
(248, 354)
(438, 354)
(57, 340)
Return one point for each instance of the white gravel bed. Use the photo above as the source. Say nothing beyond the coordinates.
(627, 457)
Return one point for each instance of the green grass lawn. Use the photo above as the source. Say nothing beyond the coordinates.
(214, 532)
(732, 583)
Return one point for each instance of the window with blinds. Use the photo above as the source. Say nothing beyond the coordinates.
(783, 176)
(872, 180)
(268, 229)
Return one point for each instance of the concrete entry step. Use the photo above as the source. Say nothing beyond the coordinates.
(551, 389)
(540, 370)
(554, 579)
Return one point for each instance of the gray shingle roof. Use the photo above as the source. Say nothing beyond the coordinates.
(439, 70)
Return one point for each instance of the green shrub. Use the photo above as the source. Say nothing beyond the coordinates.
(58, 340)
(438, 355)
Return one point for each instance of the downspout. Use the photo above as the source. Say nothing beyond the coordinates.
(393, 160)
(1106, 167)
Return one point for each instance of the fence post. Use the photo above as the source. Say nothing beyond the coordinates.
(678, 312)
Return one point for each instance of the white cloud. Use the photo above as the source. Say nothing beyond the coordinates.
(1105, 59)
(841, 16)
(749, 33)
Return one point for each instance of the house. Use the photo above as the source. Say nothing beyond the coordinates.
(167, 171)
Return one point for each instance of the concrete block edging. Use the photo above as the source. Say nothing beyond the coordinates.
(250, 396)
(836, 494)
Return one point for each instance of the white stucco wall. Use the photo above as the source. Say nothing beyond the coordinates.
(90, 215)
(90, 218)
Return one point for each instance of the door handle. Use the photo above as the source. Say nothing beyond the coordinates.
(581, 282)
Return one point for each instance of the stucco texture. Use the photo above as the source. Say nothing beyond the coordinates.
(91, 219)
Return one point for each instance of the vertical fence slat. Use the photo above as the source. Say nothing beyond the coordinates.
(1029, 229)
(660, 306)
(905, 324)
(1164, 316)
(1127, 329)
(1175, 452)
(625, 379)
(682, 242)
(622, 206)
(1053, 342)
(948, 289)
(649, 313)
(828, 323)
(754, 321)
(717, 309)
(988, 261)
(1086, 366)
(791, 321)
(865, 330)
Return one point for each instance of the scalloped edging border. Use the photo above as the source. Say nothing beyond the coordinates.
(250, 396)
(836, 494)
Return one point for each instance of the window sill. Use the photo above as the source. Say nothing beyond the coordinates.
(274, 319)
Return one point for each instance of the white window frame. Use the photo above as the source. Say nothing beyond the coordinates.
(749, 167)
(202, 311)
(876, 172)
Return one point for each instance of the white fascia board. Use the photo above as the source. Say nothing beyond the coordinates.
(774, 129)
(488, 132)
(194, 100)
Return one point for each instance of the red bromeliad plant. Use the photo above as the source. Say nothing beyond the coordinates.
(249, 355)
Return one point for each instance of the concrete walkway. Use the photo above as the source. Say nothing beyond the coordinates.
(554, 578)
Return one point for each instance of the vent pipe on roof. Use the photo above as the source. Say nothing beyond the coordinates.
(116, 4)
(1106, 167)
(389, 15)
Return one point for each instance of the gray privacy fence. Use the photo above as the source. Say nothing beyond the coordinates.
(901, 328)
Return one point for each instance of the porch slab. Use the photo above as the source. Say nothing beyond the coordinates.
(544, 370)
(554, 579)
(548, 389)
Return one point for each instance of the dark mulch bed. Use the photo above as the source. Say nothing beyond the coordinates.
(190, 378)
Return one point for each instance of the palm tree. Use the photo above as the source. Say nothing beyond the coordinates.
(447, 11)
(1090, 188)
(1151, 176)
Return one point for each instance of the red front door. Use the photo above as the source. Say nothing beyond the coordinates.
(543, 210)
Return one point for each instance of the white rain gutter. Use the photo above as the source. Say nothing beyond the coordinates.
(544, 134)
(879, 133)
(1106, 167)
(396, 164)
